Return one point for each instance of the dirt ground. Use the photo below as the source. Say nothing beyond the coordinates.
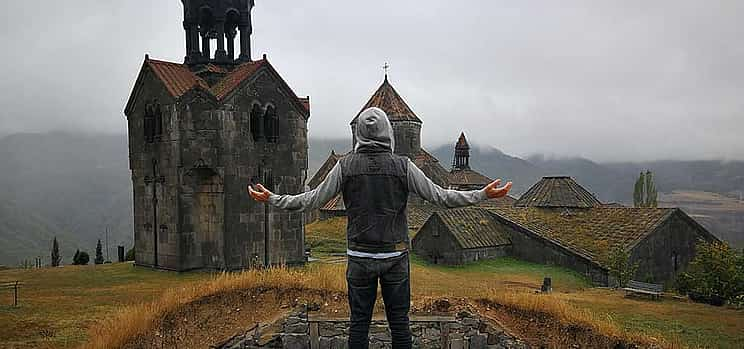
(216, 318)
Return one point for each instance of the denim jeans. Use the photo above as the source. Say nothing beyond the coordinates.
(362, 275)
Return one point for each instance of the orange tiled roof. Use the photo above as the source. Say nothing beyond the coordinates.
(233, 79)
(178, 79)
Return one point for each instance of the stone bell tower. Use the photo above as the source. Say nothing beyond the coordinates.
(199, 132)
(219, 22)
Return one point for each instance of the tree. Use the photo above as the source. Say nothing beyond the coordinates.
(644, 191)
(99, 253)
(55, 253)
(130, 255)
(638, 191)
(76, 257)
(84, 258)
(651, 195)
(715, 275)
(620, 267)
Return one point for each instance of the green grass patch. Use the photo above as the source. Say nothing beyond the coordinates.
(562, 278)
(325, 237)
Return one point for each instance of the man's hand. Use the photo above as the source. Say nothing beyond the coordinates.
(262, 195)
(493, 190)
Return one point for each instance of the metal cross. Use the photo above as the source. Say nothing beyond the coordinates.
(386, 68)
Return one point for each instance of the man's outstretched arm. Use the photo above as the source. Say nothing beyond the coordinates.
(309, 200)
(430, 191)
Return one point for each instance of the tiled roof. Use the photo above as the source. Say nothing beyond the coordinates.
(305, 102)
(419, 212)
(467, 177)
(387, 99)
(592, 232)
(473, 227)
(233, 79)
(506, 201)
(177, 78)
(462, 142)
(215, 69)
(324, 169)
(431, 167)
(557, 192)
(335, 204)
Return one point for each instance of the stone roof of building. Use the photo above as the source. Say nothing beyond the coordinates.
(387, 99)
(462, 142)
(431, 166)
(467, 177)
(591, 232)
(324, 169)
(179, 79)
(473, 227)
(560, 191)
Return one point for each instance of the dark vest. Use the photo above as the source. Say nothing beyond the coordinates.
(375, 190)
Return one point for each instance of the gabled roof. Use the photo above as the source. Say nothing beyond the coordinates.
(467, 177)
(431, 167)
(387, 99)
(558, 191)
(233, 79)
(593, 232)
(473, 227)
(178, 79)
(324, 169)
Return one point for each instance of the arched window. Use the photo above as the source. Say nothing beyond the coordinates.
(270, 124)
(256, 124)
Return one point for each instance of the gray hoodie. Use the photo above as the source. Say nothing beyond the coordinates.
(374, 133)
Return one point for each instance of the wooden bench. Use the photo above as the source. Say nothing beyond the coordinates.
(653, 290)
(11, 285)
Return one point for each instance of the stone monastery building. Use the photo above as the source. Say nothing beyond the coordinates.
(199, 131)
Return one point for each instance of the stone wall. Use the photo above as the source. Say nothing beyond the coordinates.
(298, 330)
(531, 247)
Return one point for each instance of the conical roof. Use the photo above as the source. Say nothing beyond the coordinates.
(462, 142)
(387, 99)
(558, 191)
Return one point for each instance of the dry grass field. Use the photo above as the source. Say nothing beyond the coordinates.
(108, 306)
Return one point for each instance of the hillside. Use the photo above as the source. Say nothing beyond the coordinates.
(75, 185)
(719, 213)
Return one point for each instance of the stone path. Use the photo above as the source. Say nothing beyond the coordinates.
(300, 330)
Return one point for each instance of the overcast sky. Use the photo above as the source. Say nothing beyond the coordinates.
(606, 80)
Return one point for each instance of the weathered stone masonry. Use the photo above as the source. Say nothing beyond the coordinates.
(199, 132)
(298, 330)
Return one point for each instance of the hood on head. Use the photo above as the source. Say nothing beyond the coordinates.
(373, 131)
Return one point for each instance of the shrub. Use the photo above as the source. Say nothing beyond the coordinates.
(81, 258)
(620, 267)
(130, 255)
(715, 276)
